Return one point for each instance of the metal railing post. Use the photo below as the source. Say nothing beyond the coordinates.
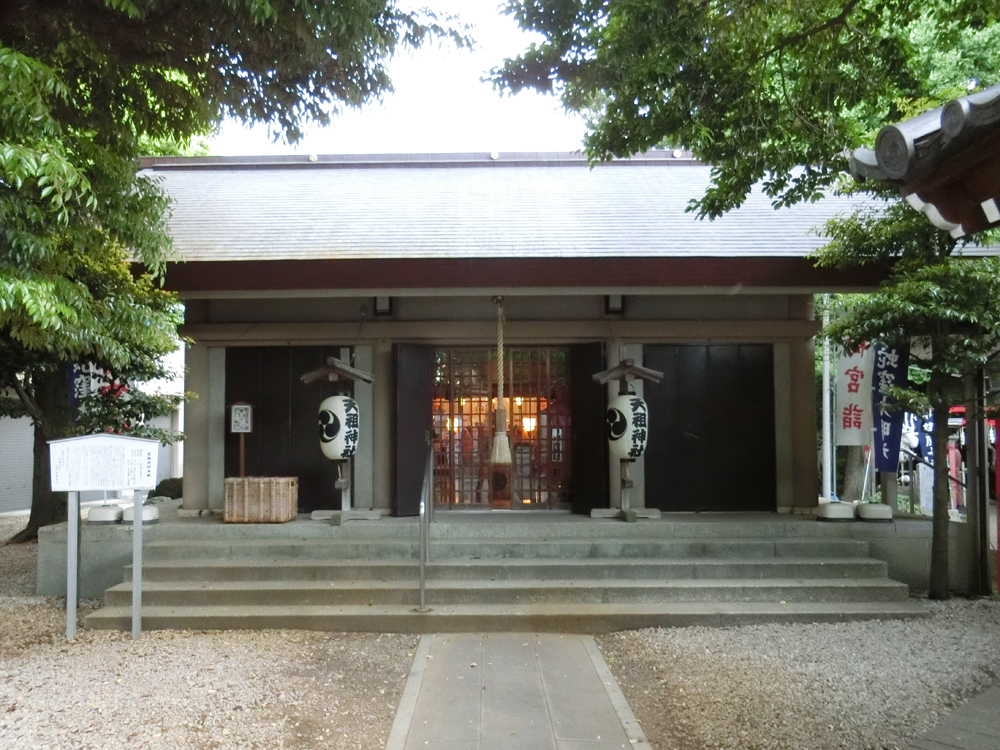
(423, 559)
(426, 504)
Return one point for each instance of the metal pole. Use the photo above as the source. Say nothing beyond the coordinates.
(430, 497)
(426, 501)
(868, 472)
(72, 561)
(626, 482)
(138, 498)
(423, 560)
(827, 432)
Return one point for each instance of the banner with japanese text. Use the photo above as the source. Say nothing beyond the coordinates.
(890, 370)
(853, 416)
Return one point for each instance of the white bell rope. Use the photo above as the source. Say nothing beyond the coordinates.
(501, 444)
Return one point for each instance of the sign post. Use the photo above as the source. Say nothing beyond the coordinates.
(241, 423)
(102, 462)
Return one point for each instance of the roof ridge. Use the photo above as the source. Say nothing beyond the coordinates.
(673, 157)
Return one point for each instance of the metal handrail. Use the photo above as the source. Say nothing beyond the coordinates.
(426, 513)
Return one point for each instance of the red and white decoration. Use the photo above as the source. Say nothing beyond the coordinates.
(853, 413)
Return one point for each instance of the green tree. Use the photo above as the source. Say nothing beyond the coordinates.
(942, 306)
(85, 87)
(766, 91)
(778, 94)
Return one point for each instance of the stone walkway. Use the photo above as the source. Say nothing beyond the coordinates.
(974, 726)
(515, 691)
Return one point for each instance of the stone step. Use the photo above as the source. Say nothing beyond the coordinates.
(505, 525)
(566, 618)
(510, 569)
(331, 593)
(505, 548)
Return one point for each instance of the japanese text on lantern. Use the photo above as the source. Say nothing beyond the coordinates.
(639, 428)
(351, 419)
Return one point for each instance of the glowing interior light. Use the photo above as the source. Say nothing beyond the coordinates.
(528, 424)
(517, 400)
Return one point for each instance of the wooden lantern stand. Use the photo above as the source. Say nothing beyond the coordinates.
(337, 370)
(623, 373)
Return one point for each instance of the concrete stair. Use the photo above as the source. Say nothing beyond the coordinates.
(543, 575)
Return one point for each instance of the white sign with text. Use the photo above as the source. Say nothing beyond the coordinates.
(102, 462)
(853, 418)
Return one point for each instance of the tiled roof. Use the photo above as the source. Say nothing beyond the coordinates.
(468, 206)
(945, 162)
(909, 149)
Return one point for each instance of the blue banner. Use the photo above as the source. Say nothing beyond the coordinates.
(927, 439)
(890, 370)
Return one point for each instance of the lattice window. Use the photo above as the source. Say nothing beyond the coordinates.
(538, 425)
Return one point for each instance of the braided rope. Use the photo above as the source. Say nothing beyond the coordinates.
(500, 363)
(500, 453)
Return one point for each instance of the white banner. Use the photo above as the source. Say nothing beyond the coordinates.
(852, 418)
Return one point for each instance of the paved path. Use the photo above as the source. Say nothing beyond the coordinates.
(512, 691)
(974, 726)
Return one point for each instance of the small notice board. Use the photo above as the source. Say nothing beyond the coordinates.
(103, 462)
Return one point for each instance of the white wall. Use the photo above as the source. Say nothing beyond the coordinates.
(16, 442)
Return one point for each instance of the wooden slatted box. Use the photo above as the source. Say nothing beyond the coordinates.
(261, 499)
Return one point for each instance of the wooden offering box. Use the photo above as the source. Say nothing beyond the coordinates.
(261, 499)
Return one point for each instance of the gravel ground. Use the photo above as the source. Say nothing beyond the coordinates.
(804, 687)
(239, 689)
(846, 686)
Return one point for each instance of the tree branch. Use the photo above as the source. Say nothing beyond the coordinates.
(788, 41)
(29, 404)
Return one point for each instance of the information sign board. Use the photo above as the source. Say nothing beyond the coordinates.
(241, 418)
(103, 462)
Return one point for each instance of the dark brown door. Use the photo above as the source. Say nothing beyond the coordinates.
(285, 441)
(589, 474)
(414, 395)
(711, 437)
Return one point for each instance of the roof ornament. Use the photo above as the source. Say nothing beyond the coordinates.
(946, 162)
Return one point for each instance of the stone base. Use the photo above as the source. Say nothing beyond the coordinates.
(150, 514)
(104, 515)
(874, 512)
(630, 515)
(198, 512)
(339, 517)
(835, 512)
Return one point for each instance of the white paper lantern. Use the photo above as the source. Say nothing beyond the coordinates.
(628, 426)
(338, 427)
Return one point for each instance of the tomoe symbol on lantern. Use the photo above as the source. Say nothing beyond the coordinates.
(338, 427)
(617, 424)
(329, 425)
(627, 426)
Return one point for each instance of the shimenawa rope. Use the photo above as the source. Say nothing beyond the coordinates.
(501, 444)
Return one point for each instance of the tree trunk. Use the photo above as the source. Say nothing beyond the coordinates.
(939, 584)
(47, 507)
(854, 474)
